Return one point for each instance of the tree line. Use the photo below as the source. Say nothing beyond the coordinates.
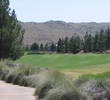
(99, 42)
(11, 38)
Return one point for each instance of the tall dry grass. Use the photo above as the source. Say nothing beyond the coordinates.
(50, 84)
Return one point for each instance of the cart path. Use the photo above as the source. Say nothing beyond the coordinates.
(15, 92)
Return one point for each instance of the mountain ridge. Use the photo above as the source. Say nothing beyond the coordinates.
(51, 31)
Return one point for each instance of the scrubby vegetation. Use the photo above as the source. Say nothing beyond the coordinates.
(54, 85)
(49, 84)
(95, 87)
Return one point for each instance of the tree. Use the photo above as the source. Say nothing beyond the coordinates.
(107, 33)
(101, 41)
(88, 43)
(35, 47)
(52, 47)
(78, 44)
(96, 43)
(66, 45)
(41, 47)
(71, 43)
(11, 33)
(75, 44)
(47, 48)
(60, 46)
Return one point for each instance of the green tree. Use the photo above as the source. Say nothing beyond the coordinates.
(107, 33)
(41, 47)
(102, 41)
(60, 46)
(46, 47)
(71, 44)
(66, 45)
(88, 43)
(11, 33)
(75, 44)
(53, 47)
(35, 47)
(96, 43)
(78, 44)
(99, 41)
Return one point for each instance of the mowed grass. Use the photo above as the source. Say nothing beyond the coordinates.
(69, 63)
(65, 61)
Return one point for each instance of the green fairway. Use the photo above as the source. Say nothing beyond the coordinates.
(66, 61)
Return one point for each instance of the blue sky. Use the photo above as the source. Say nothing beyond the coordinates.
(65, 10)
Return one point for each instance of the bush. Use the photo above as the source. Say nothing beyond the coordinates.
(95, 87)
(63, 94)
(53, 85)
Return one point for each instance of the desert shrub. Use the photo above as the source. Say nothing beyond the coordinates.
(4, 70)
(15, 74)
(24, 82)
(85, 78)
(48, 79)
(95, 87)
(27, 70)
(53, 85)
(63, 94)
(45, 80)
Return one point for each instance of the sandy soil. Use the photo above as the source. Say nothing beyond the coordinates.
(14, 92)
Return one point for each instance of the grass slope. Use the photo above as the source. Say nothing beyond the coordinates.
(73, 65)
(67, 61)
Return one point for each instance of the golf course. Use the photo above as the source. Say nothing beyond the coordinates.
(73, 64)
(54, 50)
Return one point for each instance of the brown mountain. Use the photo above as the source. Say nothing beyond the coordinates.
(52, 30)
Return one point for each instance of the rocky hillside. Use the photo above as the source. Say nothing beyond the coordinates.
(52, 30)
